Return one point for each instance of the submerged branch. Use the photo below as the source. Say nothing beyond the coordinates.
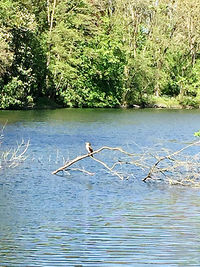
(110, 169)
(68, 164)
(175, 167)
(13, 157)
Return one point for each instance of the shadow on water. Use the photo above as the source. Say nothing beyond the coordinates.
(69, 220)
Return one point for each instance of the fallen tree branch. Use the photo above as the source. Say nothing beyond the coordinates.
(177, 167)
(13, 157)
(169, 157)
(68, 164)
(110, 169)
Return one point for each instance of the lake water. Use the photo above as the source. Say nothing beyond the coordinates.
(100, 220)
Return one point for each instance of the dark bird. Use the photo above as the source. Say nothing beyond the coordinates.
(89, 148)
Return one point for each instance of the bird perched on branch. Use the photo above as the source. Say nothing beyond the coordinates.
(89, 148)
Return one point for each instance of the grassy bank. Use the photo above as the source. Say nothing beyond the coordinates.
(179, 102)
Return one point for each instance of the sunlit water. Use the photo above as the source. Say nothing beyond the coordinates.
(81, 220)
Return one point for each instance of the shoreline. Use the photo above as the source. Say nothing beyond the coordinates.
(153, 102)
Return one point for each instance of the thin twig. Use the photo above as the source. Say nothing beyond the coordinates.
(167, 157)
(12, 158)
(108, 168)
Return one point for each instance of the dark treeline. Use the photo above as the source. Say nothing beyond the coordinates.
(99, 53)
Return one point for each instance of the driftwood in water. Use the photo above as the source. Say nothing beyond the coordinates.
(178, 167)
(13, 157)
(110, 169)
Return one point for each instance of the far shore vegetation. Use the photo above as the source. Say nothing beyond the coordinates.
(99, 53)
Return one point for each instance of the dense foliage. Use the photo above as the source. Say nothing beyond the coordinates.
(99, 53)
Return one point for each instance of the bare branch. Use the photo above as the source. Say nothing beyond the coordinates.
(111, 169)
(108, 168)
(68, 164)
(177, 167)
(13, 157)
(169, 157)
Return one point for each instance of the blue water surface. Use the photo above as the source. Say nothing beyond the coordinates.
(80, 220)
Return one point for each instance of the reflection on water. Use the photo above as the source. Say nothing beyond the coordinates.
(79, 220)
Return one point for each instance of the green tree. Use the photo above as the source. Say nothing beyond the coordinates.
(24, 71)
